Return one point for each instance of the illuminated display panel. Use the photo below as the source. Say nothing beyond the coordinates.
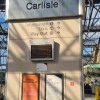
(41, 51)
(30, 87)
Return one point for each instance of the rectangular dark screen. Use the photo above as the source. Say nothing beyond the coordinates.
(41, 51)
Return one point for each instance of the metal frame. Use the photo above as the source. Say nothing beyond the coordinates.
(3, 47)
(91, 32)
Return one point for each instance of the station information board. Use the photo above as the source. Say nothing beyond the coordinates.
(54, 87)
(30, 87)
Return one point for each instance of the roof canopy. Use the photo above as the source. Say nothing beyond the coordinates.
(92, 66)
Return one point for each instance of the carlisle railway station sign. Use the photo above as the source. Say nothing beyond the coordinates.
(32, 9)
(42, 5)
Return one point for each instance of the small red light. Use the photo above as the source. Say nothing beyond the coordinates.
(71, 83)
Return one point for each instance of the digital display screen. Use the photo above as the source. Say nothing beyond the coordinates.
(41, 51)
